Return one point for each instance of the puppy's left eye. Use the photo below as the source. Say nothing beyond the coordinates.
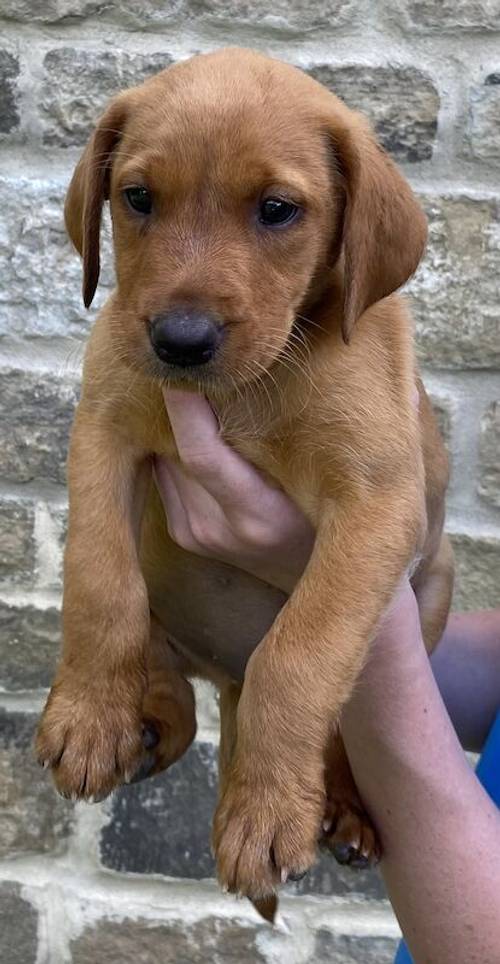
(274, 210)
(139, 199)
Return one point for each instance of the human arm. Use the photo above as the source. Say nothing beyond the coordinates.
(440, 833)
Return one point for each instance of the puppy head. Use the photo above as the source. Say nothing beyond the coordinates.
(237, 185)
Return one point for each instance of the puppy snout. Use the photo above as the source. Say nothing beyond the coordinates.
(186, 337)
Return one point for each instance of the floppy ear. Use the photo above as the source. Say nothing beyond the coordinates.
(88, 190)
(385, 229)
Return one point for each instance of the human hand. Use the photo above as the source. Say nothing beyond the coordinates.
(219, 505)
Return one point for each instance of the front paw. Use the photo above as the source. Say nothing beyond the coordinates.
(91, 733)
(266, 833)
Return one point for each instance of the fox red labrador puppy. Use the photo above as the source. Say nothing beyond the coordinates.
(260, 233)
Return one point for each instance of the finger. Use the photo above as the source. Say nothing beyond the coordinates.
(175, 510)
(215, 465)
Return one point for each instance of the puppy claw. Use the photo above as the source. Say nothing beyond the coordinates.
(284, 875)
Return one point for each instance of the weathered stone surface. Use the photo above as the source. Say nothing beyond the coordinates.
(53, 11)
(174, 811)
(288, 15)
(51, 527)
(9, 71)
(33, 819)
(489, 456)
(453, 16)
(80, 82)
(401, 102)
(18, 926)
(29, 646)
(342, 949)
(477, 572)
(17, 551)
(173, 942)
(484, 120)
(36, 410)
(283, 14)
(454, 294)
(41, 273)
(162, 825)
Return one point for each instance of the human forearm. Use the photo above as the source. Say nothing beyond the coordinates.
(425, 801)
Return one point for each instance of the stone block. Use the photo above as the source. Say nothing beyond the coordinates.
(402, 104)
(36, 412)
(489, 456)
(33, 818)
(18, 926)
(29, 646)
(454, 294)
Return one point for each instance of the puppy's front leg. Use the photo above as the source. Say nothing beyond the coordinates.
(269, 818)
(90, 732)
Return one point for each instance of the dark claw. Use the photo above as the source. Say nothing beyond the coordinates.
(298, 876)
(344, 853)
(150, 736)
(144, 770)
(360, 862)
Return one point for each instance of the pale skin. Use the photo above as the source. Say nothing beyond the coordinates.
(440, 833)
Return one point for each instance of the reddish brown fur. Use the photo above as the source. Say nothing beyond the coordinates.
(333, 423)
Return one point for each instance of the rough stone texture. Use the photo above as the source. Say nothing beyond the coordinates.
(150, 942)
(9, 71)
(36, 410)
(41, 273)
(484, 120)
(29, 647)
(33, 819)
(477, 572)
(79, 83)
(55, 521)
(175, 811)
(401, 102)
(17, 553)
(489, 455)
(454, 294)
(283, 14)
(18, 926)
(454, 16)
(154, 12)
(341, 949)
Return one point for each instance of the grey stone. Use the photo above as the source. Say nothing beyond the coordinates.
(33, 819)
(40, 294)
(342, 949)
(489, 456)
(80, 82)
(174, 942)
(174, 810)
(29, 646)
(454, 294)
(9, 72)
(17, 551)
(484, 120)
(36, 411)
(54, 11)
(18, 926)
(291, 15)
(477, 572)
(452, 16)
(401, 102)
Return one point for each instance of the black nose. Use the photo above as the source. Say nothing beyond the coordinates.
(185, 337)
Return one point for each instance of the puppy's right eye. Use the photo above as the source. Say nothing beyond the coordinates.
(139, 199)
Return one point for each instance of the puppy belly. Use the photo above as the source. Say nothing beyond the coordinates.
(217, 615)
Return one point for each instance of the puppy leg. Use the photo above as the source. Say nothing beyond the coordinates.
(347, 830)
(228, 705)
(168, 709)
(91, 730)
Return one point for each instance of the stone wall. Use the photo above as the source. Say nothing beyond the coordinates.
(129, 880)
